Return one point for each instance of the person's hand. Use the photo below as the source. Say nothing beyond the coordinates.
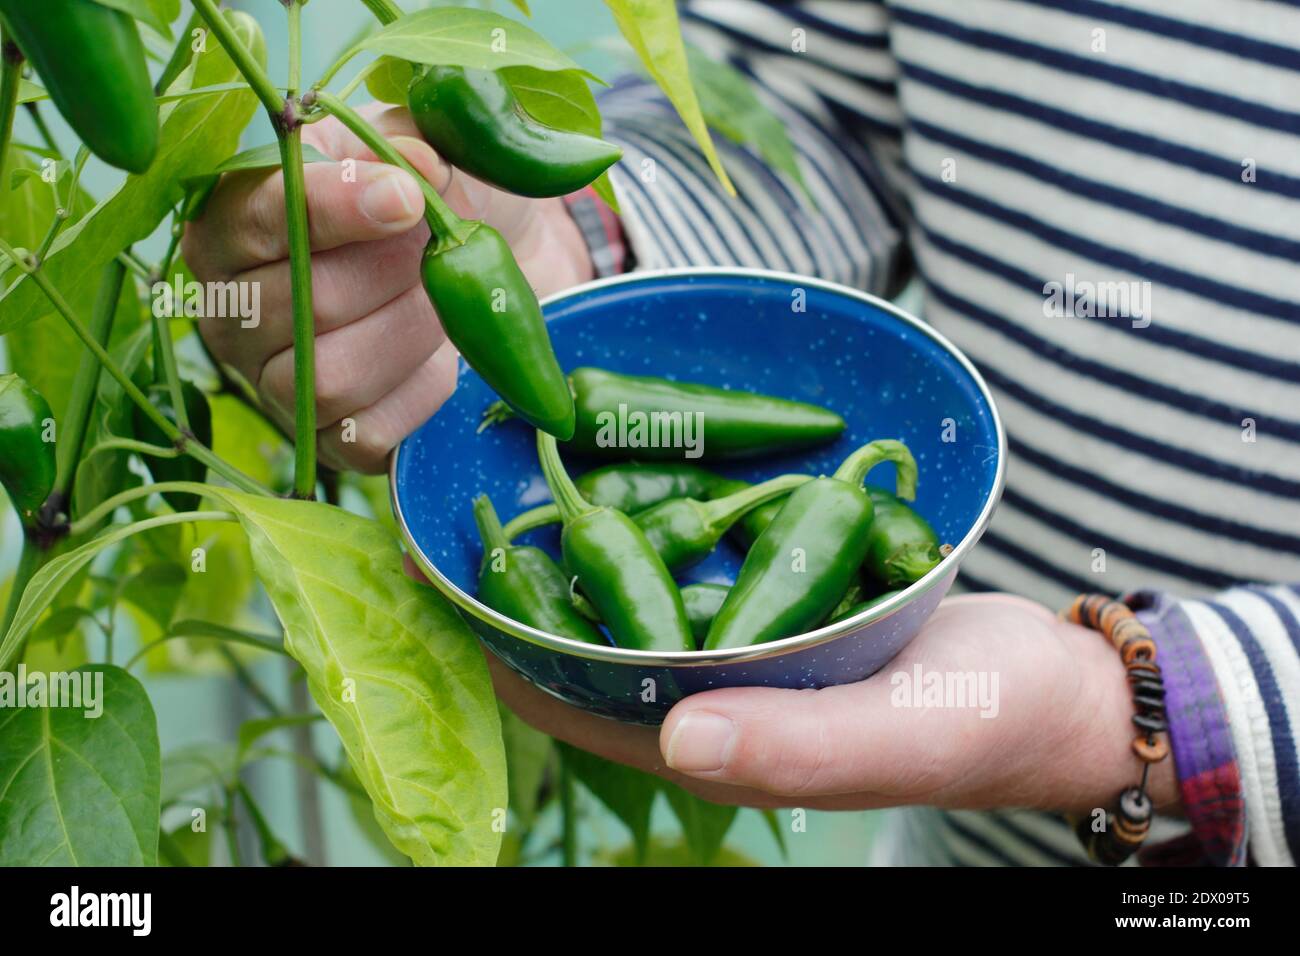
(382, 359)
(1056, 736)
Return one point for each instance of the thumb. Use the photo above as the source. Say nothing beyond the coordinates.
(790, 742)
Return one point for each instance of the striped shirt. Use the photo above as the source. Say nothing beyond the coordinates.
(1101, 203)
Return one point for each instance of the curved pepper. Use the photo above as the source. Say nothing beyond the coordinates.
(654, 418)
(682, 530)
(523, 583)
(91, 60)
(27, 461)
(903, 548)
(490, 313)
(616, 567)
(182, 467)
(801, 565)
(474, 121)
(633, 486)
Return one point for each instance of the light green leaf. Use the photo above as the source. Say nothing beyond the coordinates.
(562, 99)
(628, 794)
(251, 731)
(158, 14)
(528, 751)
(393, 668)
(389, 80)
(29, 92)
(652, 29)
(193, 133)
(704, 824)
(76, 791)
(463, 37)
(522, 7)
(731, 106)
(778, 834)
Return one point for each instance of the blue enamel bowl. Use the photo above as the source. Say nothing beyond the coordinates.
(888, 374)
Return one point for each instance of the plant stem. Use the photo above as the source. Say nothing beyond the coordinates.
(30, 560)
(385, 11)
(34, 113)
(566, 494)
(248, 681)
(724, 512)
(85, 384)
(11, 71)
(132, 445)
(164, 357)
(239, 55)
(444, 223)
(186, 443)
(109, 505)
(294, 9)
(531, 520)
(304, 323)
(854, 469)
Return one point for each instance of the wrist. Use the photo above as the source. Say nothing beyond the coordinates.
(1096, 761)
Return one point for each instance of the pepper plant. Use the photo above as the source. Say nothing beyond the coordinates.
(153, 495)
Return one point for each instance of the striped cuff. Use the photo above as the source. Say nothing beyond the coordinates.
(601, 231)
(1204, 756)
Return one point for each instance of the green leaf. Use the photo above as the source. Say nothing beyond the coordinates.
(193, 132)
(393, 668)
(190, 768)
(562, 99)
(29, 92)
(156, 589)
(158, 14)
(462, 37)
(704, 824)
(389, 79)
(528, 751)
(665, 853)
(628, 794)
(652, 30)
(778, 834)
(251, 731)
(80, 791)
(50, 579)
(731, 106)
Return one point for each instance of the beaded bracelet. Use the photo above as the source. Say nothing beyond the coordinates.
(1127, 827)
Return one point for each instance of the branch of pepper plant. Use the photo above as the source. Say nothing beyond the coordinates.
(11, 74)
(385, 11)
(185, 442)
(285, 116)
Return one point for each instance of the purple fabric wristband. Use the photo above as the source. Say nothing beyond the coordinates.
(1204, 758)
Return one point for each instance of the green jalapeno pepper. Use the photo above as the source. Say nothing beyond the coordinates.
(491, 315)
(682, 530)
(27, 461)
(523, 583)
(655, 418)
(801, 565)
(616, 567)
(473, 119)
(91, 60)
(183, 467)
(903, 547)
(633, 486)
(702, 602)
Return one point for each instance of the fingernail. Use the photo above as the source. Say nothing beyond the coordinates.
(701, 741)
(391, 197)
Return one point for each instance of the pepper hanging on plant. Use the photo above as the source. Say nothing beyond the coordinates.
(616, 567)
(92, 62)
(27, 461)
(473, 119)
(485, 303)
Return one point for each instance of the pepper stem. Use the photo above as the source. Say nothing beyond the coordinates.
(855, 468)
(722, 513)
(531, 520)
(490, 531)
(567, 496)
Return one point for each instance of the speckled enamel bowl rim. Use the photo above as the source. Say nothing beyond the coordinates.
(787, 645)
